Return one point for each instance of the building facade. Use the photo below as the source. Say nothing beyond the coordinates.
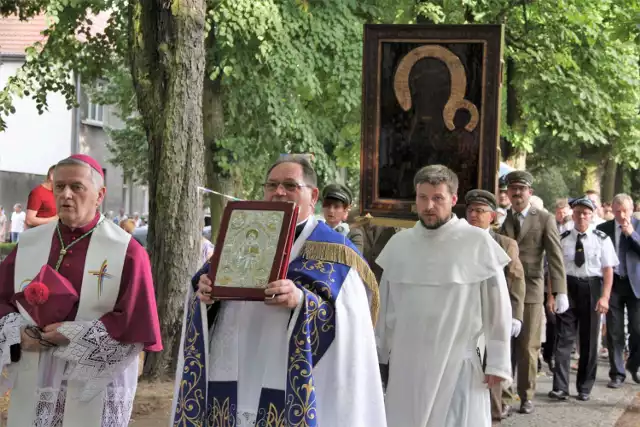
(33, 142)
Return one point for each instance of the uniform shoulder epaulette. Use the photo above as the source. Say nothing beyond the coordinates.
(601, 234)
(565, 234)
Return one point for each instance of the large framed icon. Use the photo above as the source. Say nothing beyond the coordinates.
(431, 96)
(252, 248)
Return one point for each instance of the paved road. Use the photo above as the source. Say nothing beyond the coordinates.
(605, 408)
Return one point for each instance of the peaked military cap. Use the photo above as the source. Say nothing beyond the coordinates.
(502, 183)
(481, 196)
(582, 201)
(337, 192)
(519, 177)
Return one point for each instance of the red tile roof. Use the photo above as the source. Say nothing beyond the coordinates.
(16, 35)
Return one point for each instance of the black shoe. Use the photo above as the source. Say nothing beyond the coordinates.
(526, 407)
(615, 383)
(635, 377)
(583, 397)
(558, 394)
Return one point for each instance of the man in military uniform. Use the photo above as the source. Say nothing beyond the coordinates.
(536, 233)
(481, 213)
(336, 204)
(370, 239)
(589, 259)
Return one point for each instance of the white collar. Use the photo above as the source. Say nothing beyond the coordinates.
(524, 212)
(587, 231)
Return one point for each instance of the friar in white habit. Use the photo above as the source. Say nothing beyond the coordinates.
(442, 287)
(306, 356)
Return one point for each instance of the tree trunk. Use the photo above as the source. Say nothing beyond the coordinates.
(517, 157)
(213, 117)
(592, 177)
(609, 180)
(167, 64)
(634, 178)
(619, 184)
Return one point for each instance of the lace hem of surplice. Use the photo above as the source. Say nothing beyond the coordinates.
(96, 357)
(118, 404)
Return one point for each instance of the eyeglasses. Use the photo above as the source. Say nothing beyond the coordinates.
(36, 334)
(518, 188)
(289, 186)
(478, 211)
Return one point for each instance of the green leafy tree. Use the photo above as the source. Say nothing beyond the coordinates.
(572, 82)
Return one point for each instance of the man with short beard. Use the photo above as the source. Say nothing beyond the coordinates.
(536, 233)
(442, 287)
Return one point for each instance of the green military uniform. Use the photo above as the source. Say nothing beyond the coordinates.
(537, 237)
(514, 274)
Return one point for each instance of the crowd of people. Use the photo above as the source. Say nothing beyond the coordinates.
(585, 255)
(41, 209)
(440, 324)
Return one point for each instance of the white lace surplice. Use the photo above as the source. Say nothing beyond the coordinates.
(92, 358)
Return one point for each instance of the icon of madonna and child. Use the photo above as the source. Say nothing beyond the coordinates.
(249, 248)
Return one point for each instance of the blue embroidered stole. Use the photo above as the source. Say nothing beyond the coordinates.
(214, 404)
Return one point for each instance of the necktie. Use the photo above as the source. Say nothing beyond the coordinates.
(516, 224)
(579, 255)
(622, 254)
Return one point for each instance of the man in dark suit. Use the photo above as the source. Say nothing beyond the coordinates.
(536, 233)
(625, 234)
(481, 213)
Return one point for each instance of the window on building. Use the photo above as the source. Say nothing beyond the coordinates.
(95, 112)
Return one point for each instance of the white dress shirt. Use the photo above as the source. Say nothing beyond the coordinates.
(523, 214)
(618, 232)
(598, 253)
